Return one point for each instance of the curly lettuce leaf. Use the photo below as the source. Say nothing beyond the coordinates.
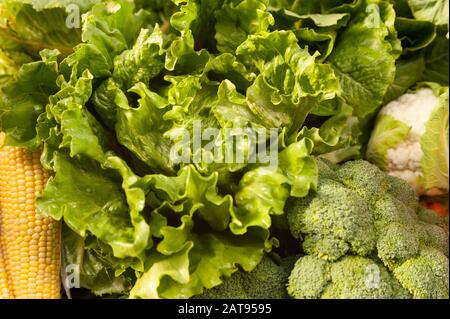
(435, 146)
(24, 99)
(290, 83)
(408, 72)
(191, 191)
(68, 125)
(199, 250)
(234, 23)
(435, 11)
(263, 191)
(114, 216)
(142, 62)
(23, 29)
(107, 31)
(436, 61)
(107, 99)
(322, 42)
(91, 199)
(202, 262)
(182, 56)
(141, 129)
(98, 270)
(337, 139)
(227, 67)
(231, 108)
(414, 34)
(365, 49)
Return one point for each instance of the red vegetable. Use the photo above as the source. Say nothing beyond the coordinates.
(438, 207)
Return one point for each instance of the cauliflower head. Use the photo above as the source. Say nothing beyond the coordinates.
(410, 139)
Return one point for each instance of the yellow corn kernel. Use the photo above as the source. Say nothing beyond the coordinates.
(31, 243)
(5, 292)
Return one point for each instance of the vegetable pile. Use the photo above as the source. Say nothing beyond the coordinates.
(106, 94)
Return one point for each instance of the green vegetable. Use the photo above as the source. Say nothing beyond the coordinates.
(376, 52)
(423, 30)
(349, 278)
(436, 61)
(100, 272)
(435, 11)
(267, 281)
(360, 218)
(435, 146)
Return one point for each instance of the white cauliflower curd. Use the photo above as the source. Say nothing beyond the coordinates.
(410, 139)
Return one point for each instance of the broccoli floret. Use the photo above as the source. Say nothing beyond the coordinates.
(400, 189)
(431, 217)
(388, 209)
(327, 170)
(350, 277)
(401, 232)
(364, 178)
(366, 213)
(334, 221)
(267, 281)
(309, 278)
(425, 276)
(231, 288)
(326, 247)
(396, 244)
(434, 236)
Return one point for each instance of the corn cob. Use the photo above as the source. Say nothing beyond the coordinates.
(30, 242)
(5, 292)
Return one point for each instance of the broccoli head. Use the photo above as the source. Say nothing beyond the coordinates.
(434, 236)
(351, 277)
(267, 281)
(400, 189)
(333, 221)
(425, 276)
(396, 244)
(364, 178)
(359, 211)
